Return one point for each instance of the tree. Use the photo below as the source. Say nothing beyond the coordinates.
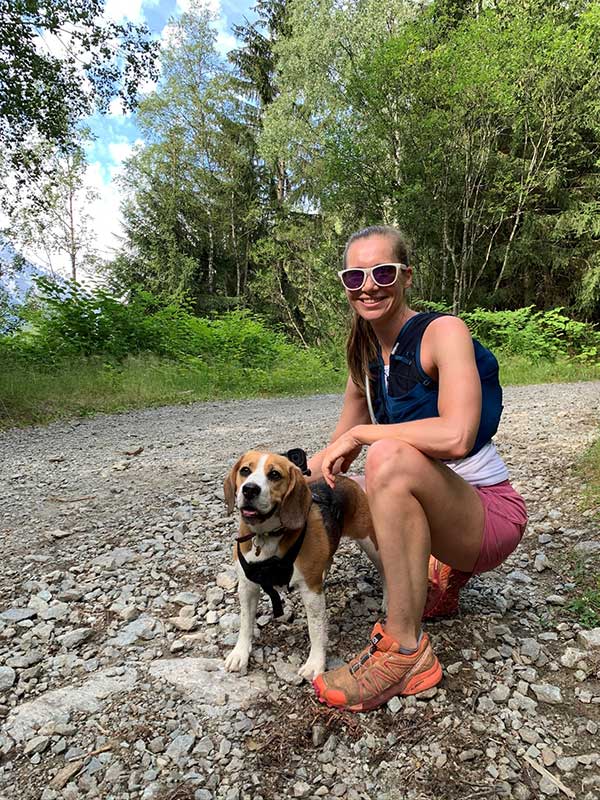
(52, 217)
(58, 62)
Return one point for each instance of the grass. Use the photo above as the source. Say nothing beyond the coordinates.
(34, 395)
(31, 395)
(520, 371)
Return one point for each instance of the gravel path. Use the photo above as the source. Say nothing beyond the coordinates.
(118, 605)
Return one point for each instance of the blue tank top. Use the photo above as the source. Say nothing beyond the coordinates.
(410, 394)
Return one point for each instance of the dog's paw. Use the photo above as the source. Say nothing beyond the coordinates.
(311, 668)
(237, 660)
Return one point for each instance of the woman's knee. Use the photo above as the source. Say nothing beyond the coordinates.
(390, 461)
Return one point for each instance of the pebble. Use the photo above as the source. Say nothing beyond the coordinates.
(546, 693)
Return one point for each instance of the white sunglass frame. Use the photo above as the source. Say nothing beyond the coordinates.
(368, 273)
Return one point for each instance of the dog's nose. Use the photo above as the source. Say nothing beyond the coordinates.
(250, 490)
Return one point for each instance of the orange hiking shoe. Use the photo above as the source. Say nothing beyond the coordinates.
(379, 673)
(443, 587)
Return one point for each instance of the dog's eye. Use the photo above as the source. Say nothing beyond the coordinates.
(274, 475)
(245, 471)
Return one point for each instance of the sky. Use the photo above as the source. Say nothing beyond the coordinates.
(115, 133)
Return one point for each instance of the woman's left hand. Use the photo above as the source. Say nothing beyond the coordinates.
(347, 448)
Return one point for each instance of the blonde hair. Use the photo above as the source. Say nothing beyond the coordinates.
(361, 345)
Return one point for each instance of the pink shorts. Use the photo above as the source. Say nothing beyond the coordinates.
(504, 524)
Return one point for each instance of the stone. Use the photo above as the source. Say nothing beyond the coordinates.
(17, 614)
(142, 628)
(555, 600)
(75, 637)
(184, 623)
(548, 787)
(500, 694)
(287, 672)
(541, 562)
(227, 580)
(7, 677)
(590, 639)
(530, 648)
(301, 789)
(180, 746)
(230, 622)
(37, 744)
(571, 657)
(587, 548)
(205, 681)
(394, 704)
(546, 693)
(116, 558)
(58, 705)
(64, 775)
(187, 599)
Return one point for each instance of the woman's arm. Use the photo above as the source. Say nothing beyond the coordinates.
(354, 412)
(446, 353)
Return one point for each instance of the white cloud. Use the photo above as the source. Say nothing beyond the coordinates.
(119, 151)
(119, 10)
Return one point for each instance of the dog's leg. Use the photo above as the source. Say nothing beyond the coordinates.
(248, 592)
(316, 613)
(372, 552)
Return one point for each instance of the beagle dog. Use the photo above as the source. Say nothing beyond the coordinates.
(289, 532)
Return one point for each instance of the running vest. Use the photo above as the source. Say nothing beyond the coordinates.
(411, 394)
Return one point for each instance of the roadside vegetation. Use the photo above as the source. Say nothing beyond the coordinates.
(76, 352)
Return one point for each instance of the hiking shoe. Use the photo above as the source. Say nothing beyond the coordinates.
(443, 587)
(378, 673)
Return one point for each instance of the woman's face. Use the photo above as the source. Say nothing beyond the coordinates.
(376, 303)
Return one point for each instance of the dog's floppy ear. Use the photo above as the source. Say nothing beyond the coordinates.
(296, 501)
(229, 486)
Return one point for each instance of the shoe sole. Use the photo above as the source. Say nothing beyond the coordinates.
(418, 683)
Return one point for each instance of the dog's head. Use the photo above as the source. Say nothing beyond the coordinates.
(265, 487)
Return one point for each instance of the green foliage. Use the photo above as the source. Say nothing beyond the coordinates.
(586, 607)
(44, 92)
(535, 334)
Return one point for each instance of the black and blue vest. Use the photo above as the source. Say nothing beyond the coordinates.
(411, 394)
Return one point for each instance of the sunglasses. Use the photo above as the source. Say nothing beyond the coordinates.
(381, 275)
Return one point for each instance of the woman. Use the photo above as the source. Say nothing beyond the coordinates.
(436, 484)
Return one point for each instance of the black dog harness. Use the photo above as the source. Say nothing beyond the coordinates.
(272, 572)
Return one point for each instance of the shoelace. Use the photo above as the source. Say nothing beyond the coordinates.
(366, 654)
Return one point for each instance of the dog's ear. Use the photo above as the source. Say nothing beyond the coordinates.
(229, 486)
(296, 501)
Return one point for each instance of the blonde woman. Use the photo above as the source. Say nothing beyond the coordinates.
(424, 397)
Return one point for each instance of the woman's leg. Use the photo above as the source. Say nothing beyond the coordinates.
(419, 507)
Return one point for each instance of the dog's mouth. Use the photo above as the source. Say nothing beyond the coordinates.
(250, 514)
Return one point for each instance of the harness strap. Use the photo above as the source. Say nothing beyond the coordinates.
(255, 570)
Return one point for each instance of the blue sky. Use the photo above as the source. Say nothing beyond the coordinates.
(115, 133)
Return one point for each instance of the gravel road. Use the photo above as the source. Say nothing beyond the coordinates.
(118, 605)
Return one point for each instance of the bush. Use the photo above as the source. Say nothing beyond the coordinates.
(534, 334)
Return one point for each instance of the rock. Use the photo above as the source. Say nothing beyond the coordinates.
(116, 558)
(287, 672)
(500, 694)
(230, 622)
(184, 623)
(64, 775)
(546, 693)
(548, 787)
(567, 764)
(227, 580)
(215, 595)
(13, 615)
(187, 599)
(394, 704)
(319, 734)
(541, 562)
(180, 746)
(530, 648)
(37, 744)
(7, 677)
(205, 681)
(555, 600)
(74, 638)
(587, 548)
(142, 628)
(571, 657)
(590, 639)
(301, 789)
(57, 705)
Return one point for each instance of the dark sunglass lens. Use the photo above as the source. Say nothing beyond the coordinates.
(353, 278)
(384, 275)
